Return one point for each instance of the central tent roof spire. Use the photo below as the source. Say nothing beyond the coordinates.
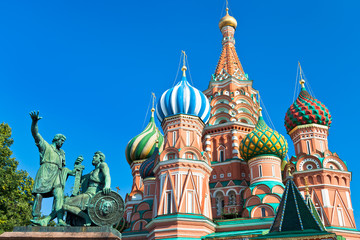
(229, 63)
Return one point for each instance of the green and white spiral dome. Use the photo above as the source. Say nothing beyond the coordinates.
(143, 145)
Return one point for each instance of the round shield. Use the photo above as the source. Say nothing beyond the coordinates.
(106, 210)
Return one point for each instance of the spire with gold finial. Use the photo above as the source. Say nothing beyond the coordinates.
(306, 110)
(142, 146)
(227, 20)
(183, 99)
(229, 63)
(184, 68)
(302, 81)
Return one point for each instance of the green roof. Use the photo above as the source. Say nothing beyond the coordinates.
(315, 213)
(293, 213)
(184, 215)
(236, 233)
(244, 221)
(301, 234)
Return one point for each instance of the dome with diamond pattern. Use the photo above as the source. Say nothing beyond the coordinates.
(306, 110)
(263, 141)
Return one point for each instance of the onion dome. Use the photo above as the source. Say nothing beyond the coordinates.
(143, 145)
(227, 20)
(147, 167)
(263, 141)
(183, 99)
(306, 110)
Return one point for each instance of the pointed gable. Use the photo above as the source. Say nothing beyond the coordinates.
(293, 213)
(312, 208)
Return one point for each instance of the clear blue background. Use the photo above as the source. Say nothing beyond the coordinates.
(90, 68)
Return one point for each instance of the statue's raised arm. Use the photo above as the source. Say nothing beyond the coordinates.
(51, 176)
(34, 127)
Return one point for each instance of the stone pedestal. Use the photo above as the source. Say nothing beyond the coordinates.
(50, 233)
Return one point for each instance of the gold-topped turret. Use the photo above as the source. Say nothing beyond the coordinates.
(227, 20)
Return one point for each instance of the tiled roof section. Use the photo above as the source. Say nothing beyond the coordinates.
(229, 61)
(293, 213)
(306, 110)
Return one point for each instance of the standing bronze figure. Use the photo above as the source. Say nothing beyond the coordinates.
(51, 176)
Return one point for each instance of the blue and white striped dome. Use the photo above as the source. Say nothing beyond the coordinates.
(183, 99)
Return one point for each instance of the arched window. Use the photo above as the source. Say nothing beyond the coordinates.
(174, 138)
(219, 202)
(263, 212)
(168, 202)
(232, 198)
(187, 138)
(308, 147)
(321, 146)
(221, 155)
(340, 217)
(260, 171)
(190, 202)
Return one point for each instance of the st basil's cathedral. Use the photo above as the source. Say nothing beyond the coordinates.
(219, 171)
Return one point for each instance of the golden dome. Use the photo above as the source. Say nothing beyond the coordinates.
(227, 20)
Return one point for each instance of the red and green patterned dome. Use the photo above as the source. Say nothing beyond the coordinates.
(306, 110)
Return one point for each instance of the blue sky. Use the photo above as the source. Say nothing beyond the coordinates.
(90, 68)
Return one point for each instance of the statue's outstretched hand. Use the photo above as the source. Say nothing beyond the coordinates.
(106, 190)
(35, 116)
